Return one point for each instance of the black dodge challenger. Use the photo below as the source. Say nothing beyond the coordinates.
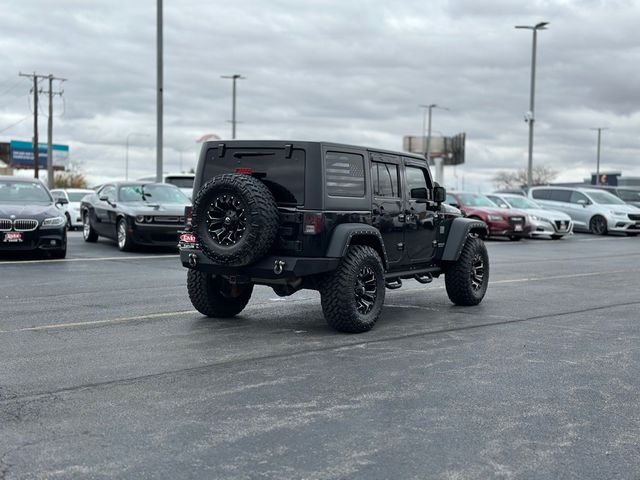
(134, 213)
(30, 219)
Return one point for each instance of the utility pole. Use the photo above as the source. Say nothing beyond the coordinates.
(439, 164)
(599, 130)
(36, 159)
(51, 93)
(159, 139)
(233, 77)
(530, 115)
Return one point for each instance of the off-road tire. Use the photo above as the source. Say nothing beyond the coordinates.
(338, 291)
(261, 217)
(88, 233)
(458, 275)
(207, 295)
(598, 225)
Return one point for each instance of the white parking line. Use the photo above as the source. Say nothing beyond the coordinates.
(89, 259)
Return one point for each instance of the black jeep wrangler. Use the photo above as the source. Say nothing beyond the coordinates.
(347, 221)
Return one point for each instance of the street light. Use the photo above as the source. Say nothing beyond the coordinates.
(599, 130)
(233, 77)
(428, 108)
(530, 116)
(126, 164)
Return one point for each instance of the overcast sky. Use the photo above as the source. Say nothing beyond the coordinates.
(342, 71)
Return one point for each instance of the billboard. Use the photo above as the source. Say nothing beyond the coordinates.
(21, 155)
(451, 149)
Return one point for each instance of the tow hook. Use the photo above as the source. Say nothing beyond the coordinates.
(278, 267)
(193, 259)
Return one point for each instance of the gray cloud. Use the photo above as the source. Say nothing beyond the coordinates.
(339, 71)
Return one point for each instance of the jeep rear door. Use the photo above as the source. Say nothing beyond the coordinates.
(420, 223)
(387, 204)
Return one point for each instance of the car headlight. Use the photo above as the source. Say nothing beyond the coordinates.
(53, 222)
(140, 218)
(618, 214)
(536, 218)
(495, 218)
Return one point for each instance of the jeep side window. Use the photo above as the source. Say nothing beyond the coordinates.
(344, 174)
(384, 179)
(416, 179)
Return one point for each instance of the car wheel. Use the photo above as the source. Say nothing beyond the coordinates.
(467, 279)
(216, 297)
(556, 237)
(125, 243)
(88, 233)
(69, 226)
(352, 296)
(598, 225)
(235, 219)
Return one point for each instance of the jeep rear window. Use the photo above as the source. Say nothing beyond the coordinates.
(283, 176)
(344, 174)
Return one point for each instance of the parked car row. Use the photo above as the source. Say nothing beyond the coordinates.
(553, 211)
(32, 218)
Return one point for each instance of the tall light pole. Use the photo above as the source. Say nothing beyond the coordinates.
(233, 77)
(427, 153)
(530, 116)
(159, 106)
(599, 130)
(126, 158)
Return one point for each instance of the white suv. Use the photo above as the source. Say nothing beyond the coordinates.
(591, 210)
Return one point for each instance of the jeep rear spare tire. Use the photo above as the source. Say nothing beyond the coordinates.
(235, 219)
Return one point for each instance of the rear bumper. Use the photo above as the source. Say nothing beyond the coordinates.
(266, 268)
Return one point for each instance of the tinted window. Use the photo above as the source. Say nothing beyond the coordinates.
(77, 196)
(180, 182)
(577, 196)
(541, 194)
(629, 195)
(23, 192)
(416, 178)
(560, 195)
(283, 175)
(384, 179)
(108, 191)
(344, 174)
(152, 194)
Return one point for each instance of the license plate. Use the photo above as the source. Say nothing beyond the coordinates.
(12, 237)
(517, 227)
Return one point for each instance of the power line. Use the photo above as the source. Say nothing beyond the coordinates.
(14, 124)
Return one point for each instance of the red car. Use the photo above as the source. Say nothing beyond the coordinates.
(502, 223)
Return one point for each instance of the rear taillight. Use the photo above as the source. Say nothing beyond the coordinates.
(312, 223)
(188, 216)
(244, 171)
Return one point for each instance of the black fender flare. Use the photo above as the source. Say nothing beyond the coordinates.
(344, 233)
(458, 232)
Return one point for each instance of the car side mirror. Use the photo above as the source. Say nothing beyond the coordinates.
(440, 194)
(62, 201)
(419, 194)
(582, 202)
(104, 198)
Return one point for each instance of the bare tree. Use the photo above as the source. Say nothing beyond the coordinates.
(505, 179)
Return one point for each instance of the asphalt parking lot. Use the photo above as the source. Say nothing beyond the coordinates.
(108, 372)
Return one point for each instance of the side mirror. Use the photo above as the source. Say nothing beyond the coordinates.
(440, 194)
(582, 202)
(62, 201)
(104, 198)
(419, 193)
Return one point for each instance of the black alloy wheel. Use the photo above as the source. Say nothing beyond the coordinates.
(365, 290)
(226, 220)
(477, 272)
(598, 225)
